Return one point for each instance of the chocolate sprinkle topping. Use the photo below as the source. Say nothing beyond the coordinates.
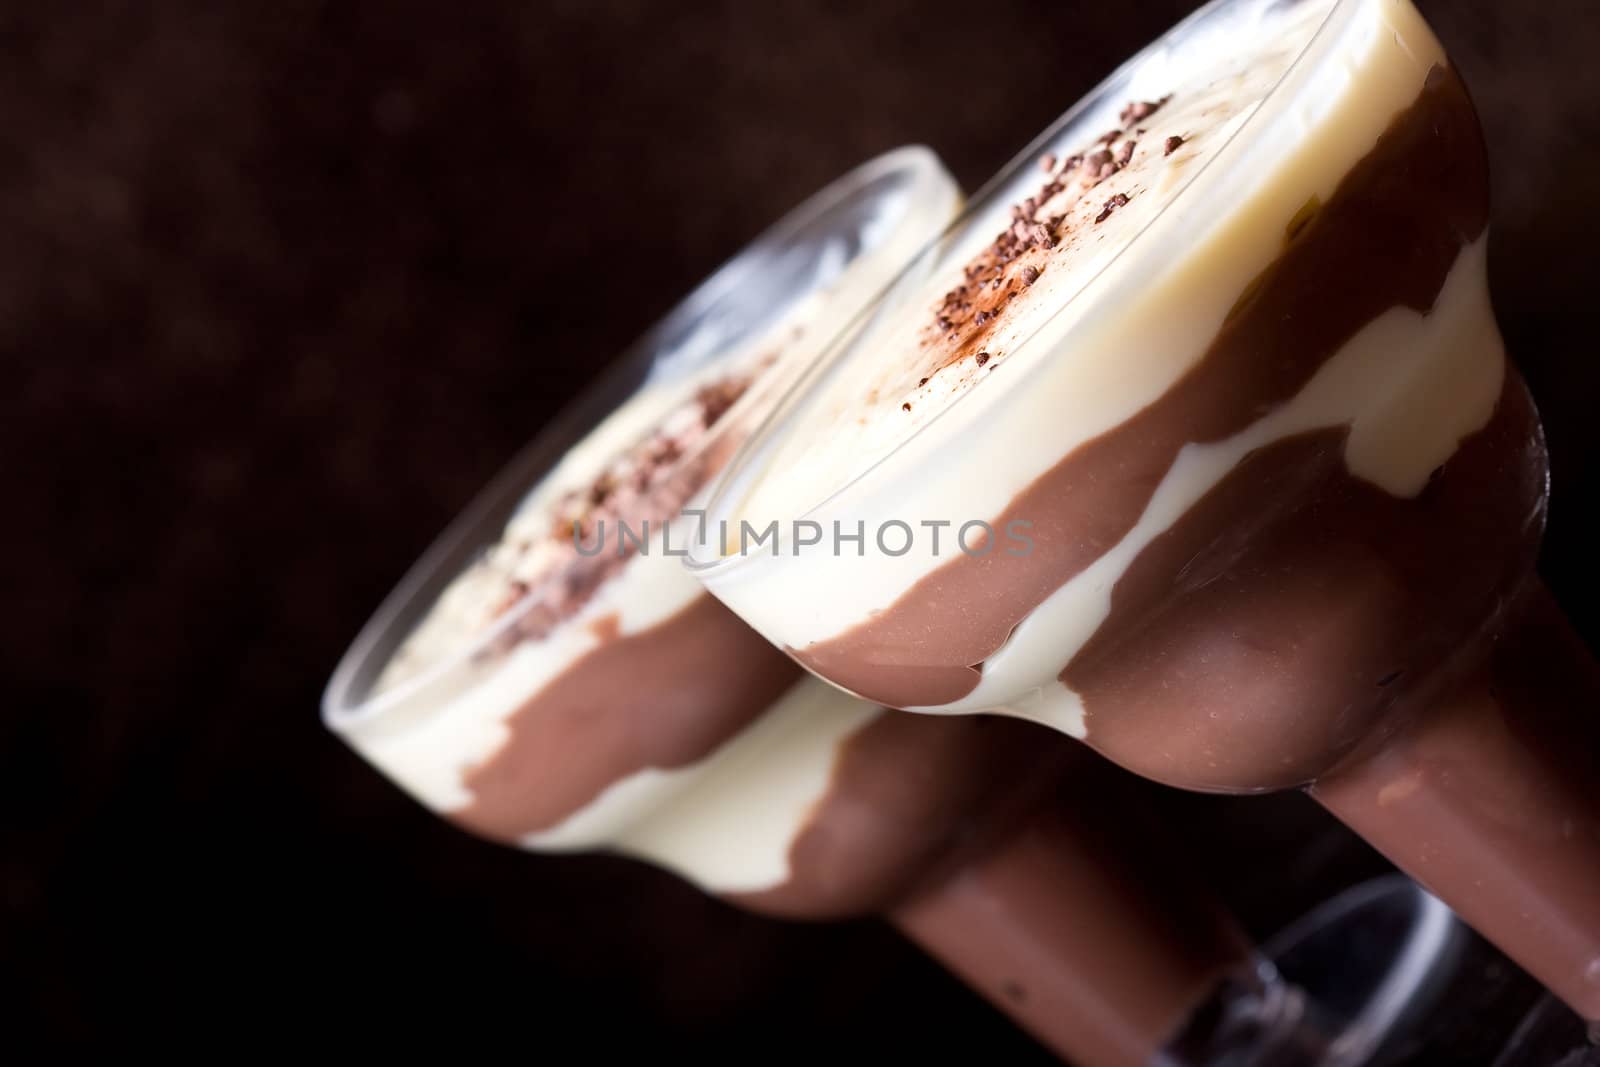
(1173, 144)
(650, 479)
(1141, 110)
(982, 357)
(986, 287)
(1111, 205)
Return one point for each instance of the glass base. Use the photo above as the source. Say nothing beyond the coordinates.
(1343, 986)
(1551, 1035)
(1371, 963)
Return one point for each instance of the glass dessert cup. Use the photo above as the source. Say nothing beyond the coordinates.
(1253, 495)
(648, 720)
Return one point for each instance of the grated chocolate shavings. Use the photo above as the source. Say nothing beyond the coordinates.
(651, 479)
(1111, 205)
(973, 303)
(1141, 109)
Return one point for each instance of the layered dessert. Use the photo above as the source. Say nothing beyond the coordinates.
(570, 677)
(570, 686)
(1208, 404)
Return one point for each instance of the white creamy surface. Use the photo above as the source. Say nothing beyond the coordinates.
(727, 821)
(1411, 386)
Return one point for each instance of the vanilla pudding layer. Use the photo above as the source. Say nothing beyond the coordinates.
(558, 698)
(1317, 293)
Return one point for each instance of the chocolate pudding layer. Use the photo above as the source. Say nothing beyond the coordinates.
(905, 795)
(1260, 668)
(664, 697)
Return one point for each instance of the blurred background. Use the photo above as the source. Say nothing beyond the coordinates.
(282, 284)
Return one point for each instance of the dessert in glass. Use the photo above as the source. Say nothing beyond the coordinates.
(551, 677)
(542, 669)
(1200, 445)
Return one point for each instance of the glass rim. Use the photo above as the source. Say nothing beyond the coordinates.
(348, 698)
(998, 192)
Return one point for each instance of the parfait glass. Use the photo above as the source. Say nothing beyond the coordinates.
(1254, 494)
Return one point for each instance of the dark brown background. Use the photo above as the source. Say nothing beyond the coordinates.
(282, 283)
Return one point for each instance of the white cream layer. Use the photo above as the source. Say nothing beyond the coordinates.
(729, 821)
